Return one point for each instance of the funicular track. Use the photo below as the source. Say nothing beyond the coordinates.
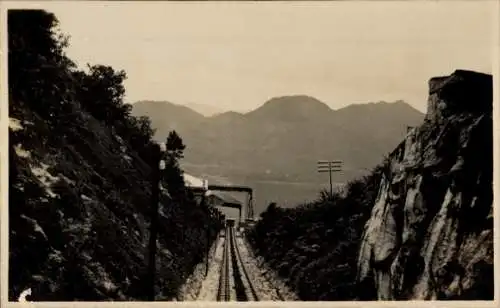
(243, 287)
(236, 251)
(224, 290)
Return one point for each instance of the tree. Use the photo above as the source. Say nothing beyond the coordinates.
(101, 93)
(38, 66)
(175, 146)
(173, 175)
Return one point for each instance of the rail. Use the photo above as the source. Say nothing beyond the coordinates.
(245, 273)
(232, 258)
(224, 290)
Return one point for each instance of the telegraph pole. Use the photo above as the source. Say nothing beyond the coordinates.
(204, 204)
(329, 166)
(156, 154)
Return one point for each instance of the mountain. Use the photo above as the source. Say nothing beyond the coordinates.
(206, 110)
(292, 108)
(166, 116)
(274, 148)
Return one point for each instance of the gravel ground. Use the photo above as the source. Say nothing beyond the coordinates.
(267, 285)
(193, 287)
(210, 284)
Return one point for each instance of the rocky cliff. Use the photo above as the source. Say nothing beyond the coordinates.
(430, 234)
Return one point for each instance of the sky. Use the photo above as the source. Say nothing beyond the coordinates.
(235, 56)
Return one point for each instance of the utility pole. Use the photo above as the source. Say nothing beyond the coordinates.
(204, 202)
(205, 205)
(250, 206)
(156, 155)
(330, 166)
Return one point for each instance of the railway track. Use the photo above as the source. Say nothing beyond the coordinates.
(244, 270)
(243, 287)
(224, 290)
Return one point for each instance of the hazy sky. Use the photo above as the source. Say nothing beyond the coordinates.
(238, 55)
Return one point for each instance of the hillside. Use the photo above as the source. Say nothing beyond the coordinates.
(419, 226)
(80, 182)
(281, 141)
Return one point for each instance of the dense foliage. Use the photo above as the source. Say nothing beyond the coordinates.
(79, 182)
(314, 246)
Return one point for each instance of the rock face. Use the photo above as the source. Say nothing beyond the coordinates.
(430, 234)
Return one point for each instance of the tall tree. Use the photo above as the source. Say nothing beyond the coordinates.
(175, 146)
(173, 173)
(101, 93)
(38, 66)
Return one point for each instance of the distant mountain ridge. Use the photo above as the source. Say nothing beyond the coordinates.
(282, 139)
(166, 116)
(206, 110)
(290, 108)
